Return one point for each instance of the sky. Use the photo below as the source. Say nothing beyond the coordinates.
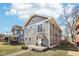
(7, 22)
(17, 13)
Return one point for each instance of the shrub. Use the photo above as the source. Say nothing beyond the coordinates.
(24, 47)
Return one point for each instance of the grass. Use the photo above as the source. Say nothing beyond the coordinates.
(8, 49)
(61, 50)
(47, 53)
(57, 51)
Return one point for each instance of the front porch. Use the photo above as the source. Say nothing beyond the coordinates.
(11, 39)
(37, 48)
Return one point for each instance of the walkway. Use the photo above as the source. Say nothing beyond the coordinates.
(73, 53)
(18, 53)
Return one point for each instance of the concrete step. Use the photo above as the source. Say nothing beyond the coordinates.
(30, 48)
(37, 48)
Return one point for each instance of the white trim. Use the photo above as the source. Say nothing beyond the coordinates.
(53, 46)
(49, 33)
(42, 15)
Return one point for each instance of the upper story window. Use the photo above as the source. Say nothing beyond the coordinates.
(18, 31)
(39, 28)
(15, 32)
(29, 39)
(26, 29)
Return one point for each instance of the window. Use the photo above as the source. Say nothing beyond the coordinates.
(26, 29)
(26, 38)
(15, 32)
(6, 39)
(18, 31)
(29, 39)
(40, 28)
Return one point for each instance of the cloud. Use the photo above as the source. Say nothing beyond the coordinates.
(13, 11)
(51, 10)
(24, 10)
(22, 6)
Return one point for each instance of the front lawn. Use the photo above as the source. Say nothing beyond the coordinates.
(8, 49)
(46, 53)
(61, 50)
(57, 51)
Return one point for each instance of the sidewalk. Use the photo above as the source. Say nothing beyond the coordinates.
(17, 53)
(73, 53)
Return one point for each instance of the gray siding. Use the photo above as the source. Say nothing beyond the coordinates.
(29, 36)
(54, 37)
(46, 33)
(32, 33)
(49, 34)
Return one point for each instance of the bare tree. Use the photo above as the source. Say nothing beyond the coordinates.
(69, 18)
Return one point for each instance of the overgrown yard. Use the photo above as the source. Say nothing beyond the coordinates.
(61, 50)
(46, 53)
(8, 49)
(57, 51)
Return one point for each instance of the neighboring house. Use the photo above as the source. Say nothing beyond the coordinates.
(42, 31)
(11, 39)
(2, 37)
(18, 31)
(77, 29)
(17, 36)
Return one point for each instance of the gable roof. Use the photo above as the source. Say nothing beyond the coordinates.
(18, 27)
(51, 19)
(30, 18)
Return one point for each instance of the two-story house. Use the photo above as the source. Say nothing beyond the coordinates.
(42, 31)
(18, 31)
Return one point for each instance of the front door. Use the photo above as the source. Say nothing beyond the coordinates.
(39, 42)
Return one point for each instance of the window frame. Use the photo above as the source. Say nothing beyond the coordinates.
(40, 28)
